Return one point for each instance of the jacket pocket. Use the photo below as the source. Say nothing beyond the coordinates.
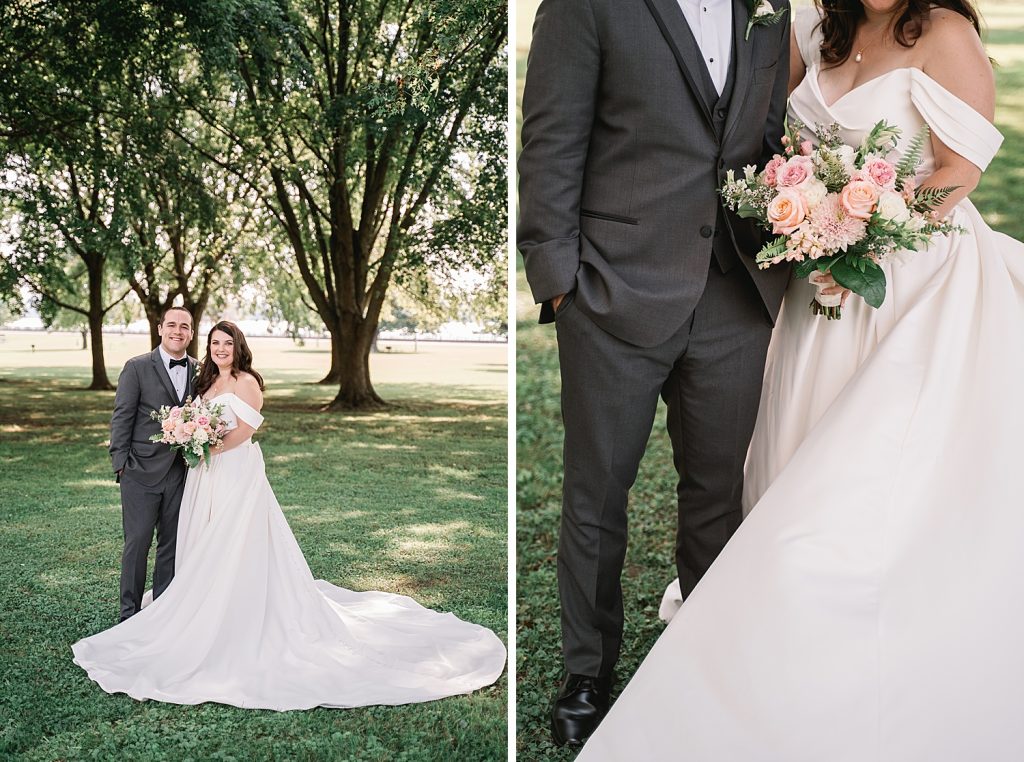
(609, 217)
(563, 305)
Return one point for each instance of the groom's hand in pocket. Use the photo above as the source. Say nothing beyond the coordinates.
(556, 301)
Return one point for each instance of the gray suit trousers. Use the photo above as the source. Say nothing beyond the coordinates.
(143, 509)
(709, 373)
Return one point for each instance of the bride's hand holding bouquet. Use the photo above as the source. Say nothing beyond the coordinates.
(840, 212)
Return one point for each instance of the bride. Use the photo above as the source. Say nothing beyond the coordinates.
(871, 606)
(243, 622)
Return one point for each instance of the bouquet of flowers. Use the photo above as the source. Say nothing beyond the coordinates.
(193, 429)
(840, 210)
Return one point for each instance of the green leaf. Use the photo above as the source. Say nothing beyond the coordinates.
(771, 250)
(747, 211)
(870, 285)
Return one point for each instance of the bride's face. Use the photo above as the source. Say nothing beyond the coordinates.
(222, 349)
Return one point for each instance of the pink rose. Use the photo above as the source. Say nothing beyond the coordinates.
(179, 433)
(795, 171)
(167, 425)
(175, 412)
(858, 199)
(203, 420)
(771, 170)
(786, 211)
(190, 428)
(806, 148)
(882, 173)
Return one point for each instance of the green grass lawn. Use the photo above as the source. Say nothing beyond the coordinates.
(411, 500)
(649, 561)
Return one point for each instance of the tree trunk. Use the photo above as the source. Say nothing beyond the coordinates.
(96, 313)
(337, 356)
(356, 391)
(198, 343)
(154, 326)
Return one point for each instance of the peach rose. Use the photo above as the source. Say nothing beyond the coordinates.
(858, 199)
(795, 171)
(167, 425)
(786, 211)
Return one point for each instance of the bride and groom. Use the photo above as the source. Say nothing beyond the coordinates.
(235, 616)
(868, 607)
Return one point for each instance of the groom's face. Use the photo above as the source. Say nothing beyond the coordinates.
(175, 332)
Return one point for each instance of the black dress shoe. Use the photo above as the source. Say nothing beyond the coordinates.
(580, 705)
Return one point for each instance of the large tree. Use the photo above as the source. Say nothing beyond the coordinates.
(379, 128)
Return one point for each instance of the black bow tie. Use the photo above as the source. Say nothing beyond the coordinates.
(183, 362)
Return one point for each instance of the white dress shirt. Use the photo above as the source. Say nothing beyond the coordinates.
(178, 374)
(711, 24)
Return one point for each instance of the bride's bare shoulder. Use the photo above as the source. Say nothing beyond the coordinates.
(968, 72)
(248, 390)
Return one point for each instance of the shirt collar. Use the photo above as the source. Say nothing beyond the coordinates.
(167, 358)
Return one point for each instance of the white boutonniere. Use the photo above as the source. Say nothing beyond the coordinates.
(762, 14)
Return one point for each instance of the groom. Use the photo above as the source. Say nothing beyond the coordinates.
(151, 475)
(632, 114)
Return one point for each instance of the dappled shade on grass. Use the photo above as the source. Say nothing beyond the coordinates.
(410, 501)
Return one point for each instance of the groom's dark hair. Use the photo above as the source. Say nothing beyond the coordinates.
(186, 310)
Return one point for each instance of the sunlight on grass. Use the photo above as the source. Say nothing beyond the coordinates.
(368, 497)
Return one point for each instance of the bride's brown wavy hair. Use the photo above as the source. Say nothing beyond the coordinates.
(241, 360)
(839, 20)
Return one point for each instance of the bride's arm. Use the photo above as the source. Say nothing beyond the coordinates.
(797, 67)
(968, 75)
(249, 392)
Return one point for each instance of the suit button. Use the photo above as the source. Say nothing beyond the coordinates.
(722, 113)
(706, 231)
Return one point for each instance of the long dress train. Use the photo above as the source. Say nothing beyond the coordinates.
(244, 622)
(871, 605)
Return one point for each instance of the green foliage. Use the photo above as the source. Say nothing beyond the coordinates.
(860, 276)
(912, 156)
(928, 198)
(881, 140)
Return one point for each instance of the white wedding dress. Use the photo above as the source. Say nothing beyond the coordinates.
(244, 622)
(870, 608)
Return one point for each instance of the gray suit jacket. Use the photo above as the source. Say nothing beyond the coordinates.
(621, 164)
(144, 386)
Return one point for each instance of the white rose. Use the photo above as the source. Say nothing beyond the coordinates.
(764, 8)
(846, 155)
(916, 222)
(891, 206)
(813, 190)
(201, 437)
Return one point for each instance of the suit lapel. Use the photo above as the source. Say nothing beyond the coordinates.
(190, 382)
(163, 375)
(743, 50)
(672, 23)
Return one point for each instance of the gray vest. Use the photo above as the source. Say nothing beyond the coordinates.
(722, 246)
